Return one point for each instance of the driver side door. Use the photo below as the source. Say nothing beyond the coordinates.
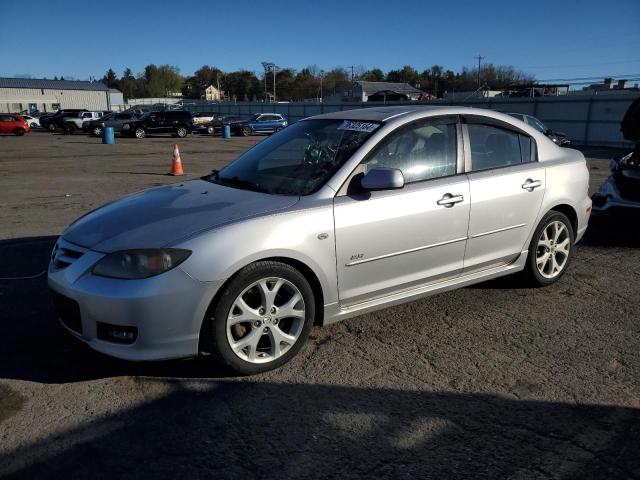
(388, 241)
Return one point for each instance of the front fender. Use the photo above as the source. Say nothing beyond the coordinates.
(220, 253)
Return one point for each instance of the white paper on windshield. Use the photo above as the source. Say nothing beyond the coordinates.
(358, 126)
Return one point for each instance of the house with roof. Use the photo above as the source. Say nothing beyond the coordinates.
(44, 95)
(384, 92)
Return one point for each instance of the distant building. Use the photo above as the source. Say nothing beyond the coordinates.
(38, 94)
(211, 93)
(362, 91)
(115, 97)
(608, 85)
(384, 91)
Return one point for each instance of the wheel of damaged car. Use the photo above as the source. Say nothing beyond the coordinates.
(210, 130)
(550, 250)
(97, 131)
(140, 132)
(246, 131)
(182, 132)
(262, 319)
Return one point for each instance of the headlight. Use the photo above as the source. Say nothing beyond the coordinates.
(126, 126)
(143, 263)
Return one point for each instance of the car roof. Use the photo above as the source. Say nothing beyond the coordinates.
(399, 112)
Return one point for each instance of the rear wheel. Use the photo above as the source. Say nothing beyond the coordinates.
(182, 132)
(97, 131)
(52, 127)
(140, 132)
(550, 250)
(210, 130)
(262, 319)
(246, 131)
(33, 125)
(19, 132)
(70, 128)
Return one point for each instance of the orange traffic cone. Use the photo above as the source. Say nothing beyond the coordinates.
(176, 168)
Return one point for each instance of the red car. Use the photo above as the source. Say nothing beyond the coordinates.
(13, 123)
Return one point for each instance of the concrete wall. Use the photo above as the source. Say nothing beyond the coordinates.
(18, 99)
(587, 120)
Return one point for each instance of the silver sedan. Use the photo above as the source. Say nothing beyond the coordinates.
(335, 216)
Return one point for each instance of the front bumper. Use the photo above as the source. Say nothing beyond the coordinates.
(167, 310)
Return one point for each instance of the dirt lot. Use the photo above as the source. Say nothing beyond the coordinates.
(491, 381)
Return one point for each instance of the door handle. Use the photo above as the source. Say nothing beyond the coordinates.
(449, 200)
(530, 185)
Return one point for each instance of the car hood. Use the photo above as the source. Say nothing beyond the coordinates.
(161, 216)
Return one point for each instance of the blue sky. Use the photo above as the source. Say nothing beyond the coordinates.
(551, 39)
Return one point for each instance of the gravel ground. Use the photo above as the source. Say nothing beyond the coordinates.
(491, 381)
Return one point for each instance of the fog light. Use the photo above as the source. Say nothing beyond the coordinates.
(117, 333)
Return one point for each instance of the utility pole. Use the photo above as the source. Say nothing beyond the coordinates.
(480, 58)
(274, 81)
(268, 66)
(321, 77)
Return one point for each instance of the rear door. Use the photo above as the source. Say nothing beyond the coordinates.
(506, 185)
(155, 122)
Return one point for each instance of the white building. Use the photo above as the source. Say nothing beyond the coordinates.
(31, 94)
(211, 93)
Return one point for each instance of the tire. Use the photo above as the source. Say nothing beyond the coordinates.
(97, 131)
(140, 132)
(19, 132)
(259, 325)
(33, 125)
(210, 130)
(553, 231)
(277, 129)
(70, 128)
(52, 127)
(246, 131)
(182, 132)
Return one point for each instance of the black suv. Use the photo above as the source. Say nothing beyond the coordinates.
(176, 122)
(52, 122)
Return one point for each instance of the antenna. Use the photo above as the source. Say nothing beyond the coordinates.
(480, 58)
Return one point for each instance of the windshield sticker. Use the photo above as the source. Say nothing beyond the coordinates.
(358, 126)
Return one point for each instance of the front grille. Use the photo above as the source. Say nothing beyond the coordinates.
(64, 255)
(68, 312)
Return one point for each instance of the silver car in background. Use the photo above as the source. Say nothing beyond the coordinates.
(337, 215)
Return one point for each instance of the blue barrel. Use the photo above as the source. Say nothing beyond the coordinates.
(226, 131)
(108, 136)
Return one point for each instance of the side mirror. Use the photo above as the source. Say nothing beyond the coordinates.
(383, 179)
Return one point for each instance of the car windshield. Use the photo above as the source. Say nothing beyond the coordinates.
(299, 159)
(256, 116)
(108, 116)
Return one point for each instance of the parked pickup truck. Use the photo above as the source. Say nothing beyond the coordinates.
(75, 121)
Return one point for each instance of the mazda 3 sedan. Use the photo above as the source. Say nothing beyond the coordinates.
(335, 216)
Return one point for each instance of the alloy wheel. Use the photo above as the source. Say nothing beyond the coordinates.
(140, 133)
(552, 252)
(265, 320)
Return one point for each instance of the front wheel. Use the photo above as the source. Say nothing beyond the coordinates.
(33, 125)
(97, 131)
(140, 132)
(550, 250)
(52, 127)
(19, 132)
(182, 132)
(262, 319)
(211, 130)
(246, 131)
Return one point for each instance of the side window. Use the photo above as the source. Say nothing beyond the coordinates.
(422, 151)
(493, 147)
(6, 118)
(526, 148)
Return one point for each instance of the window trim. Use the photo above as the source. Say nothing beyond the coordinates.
(499, 124)
(344, 189)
